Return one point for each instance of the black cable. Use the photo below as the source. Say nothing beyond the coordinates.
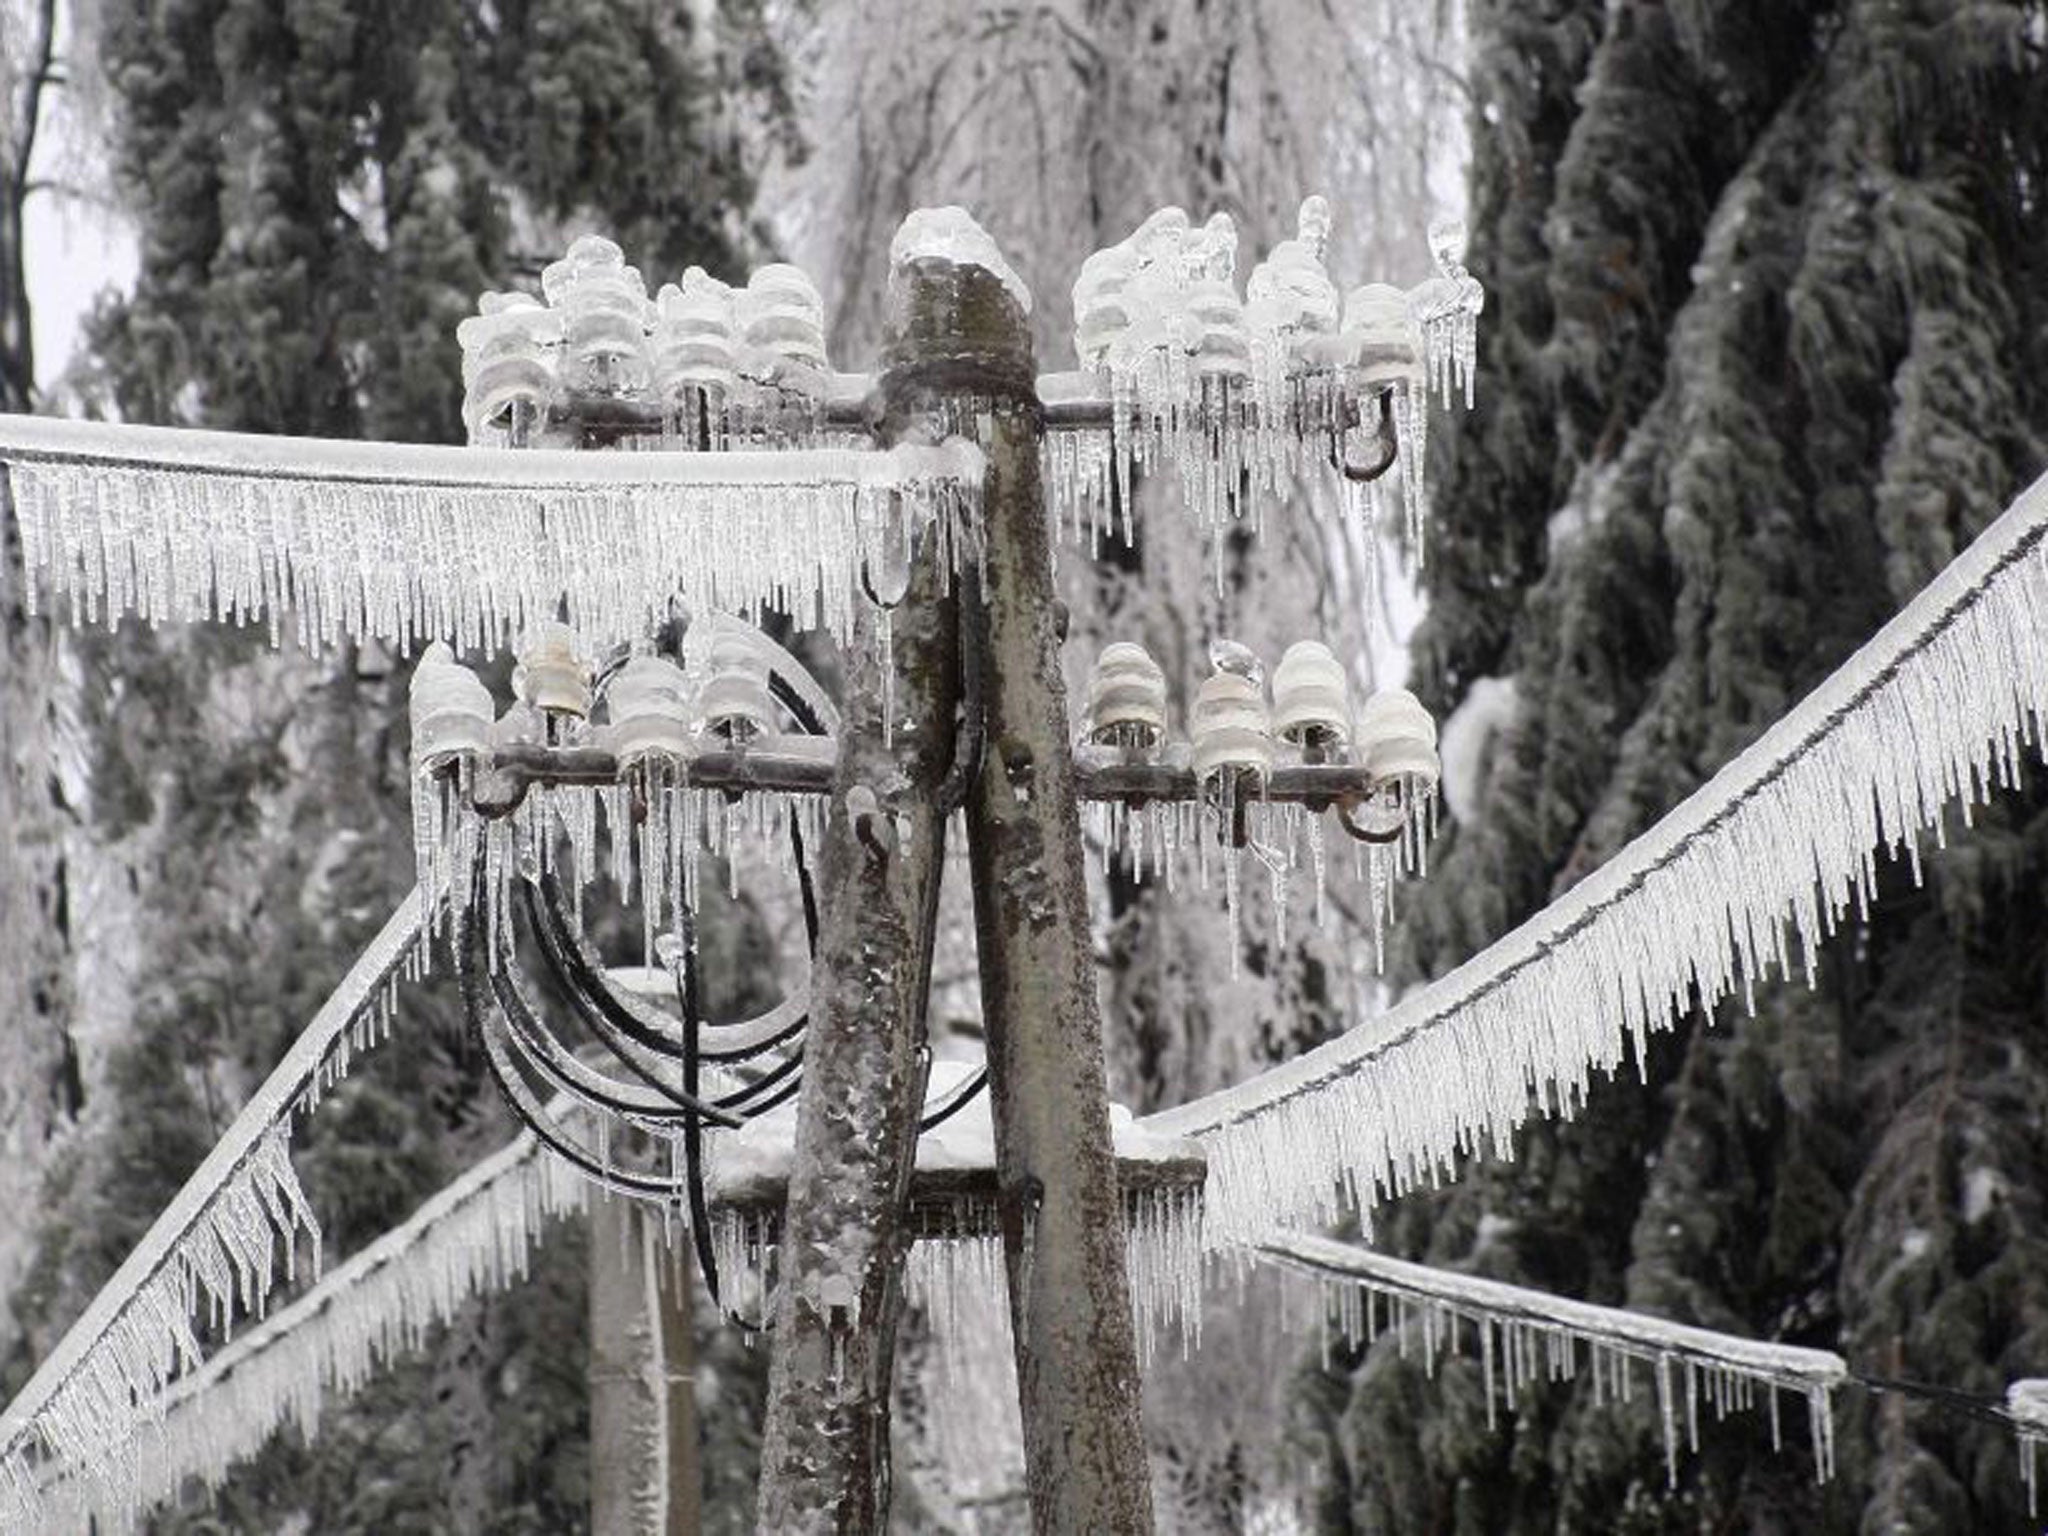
(960, 1100)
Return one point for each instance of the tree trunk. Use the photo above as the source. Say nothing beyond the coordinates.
(825, 1447)
(1062, 1213)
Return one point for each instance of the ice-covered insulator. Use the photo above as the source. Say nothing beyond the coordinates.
(1230, 728)
(648, 700)
(1218, 339)
(1100, 312)
(1382, 336)
(552, 672)
(1289, 292)
(604, 315)
(733, 700)
(696, 336)
(1312, 700)
(451, 708)
(1397, 738)
(508, 360)
(1127, 699)
(783, 316)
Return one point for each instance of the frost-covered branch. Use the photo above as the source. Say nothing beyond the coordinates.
(1527, 1335)
(1935, 708)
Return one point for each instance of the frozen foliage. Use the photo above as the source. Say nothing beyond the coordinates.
(406, 543)
(1527, 1336)
(215, 1246)
(1244, 396)
(475, 1236)
(1935, 708)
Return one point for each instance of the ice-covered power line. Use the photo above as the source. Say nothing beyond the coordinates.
(408, 543)
(1937, 708)
(213, 1246)
(1526, 1336)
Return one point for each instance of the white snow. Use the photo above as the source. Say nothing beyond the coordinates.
(1466, 742)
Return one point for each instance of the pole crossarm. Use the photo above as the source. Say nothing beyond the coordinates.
(1935, 708)
(213, 1243)
(804, 765)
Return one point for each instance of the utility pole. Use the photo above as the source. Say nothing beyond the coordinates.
(644, 1478)
(1062, 1208)
(825, 1446)
(959, 354)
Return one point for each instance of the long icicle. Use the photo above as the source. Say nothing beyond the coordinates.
(475, 1236)
(408, 543)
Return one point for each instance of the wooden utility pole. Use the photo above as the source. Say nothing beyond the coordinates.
(958, 360)
(825, 1446)
(1062, 1211)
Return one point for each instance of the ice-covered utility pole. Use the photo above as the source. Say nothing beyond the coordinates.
(1062, 1216)
(845, 1237)
(959, 349)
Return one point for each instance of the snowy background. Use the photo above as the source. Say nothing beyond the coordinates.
(1766, 342)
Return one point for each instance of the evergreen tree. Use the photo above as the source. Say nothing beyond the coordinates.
(322, 189)
(1765, 346)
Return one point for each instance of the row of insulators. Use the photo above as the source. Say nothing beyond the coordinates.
(1170, 287)
(598, 333)
(1234, 729)
(652, 706)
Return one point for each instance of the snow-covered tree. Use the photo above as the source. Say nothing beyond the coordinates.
(321, 191)
(1765, 349)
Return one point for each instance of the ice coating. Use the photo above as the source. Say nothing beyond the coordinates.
(2026, 1404)
(951, 234)
(1528, 1336)
(1244, 398)
(215, 1247)
(409, 543)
